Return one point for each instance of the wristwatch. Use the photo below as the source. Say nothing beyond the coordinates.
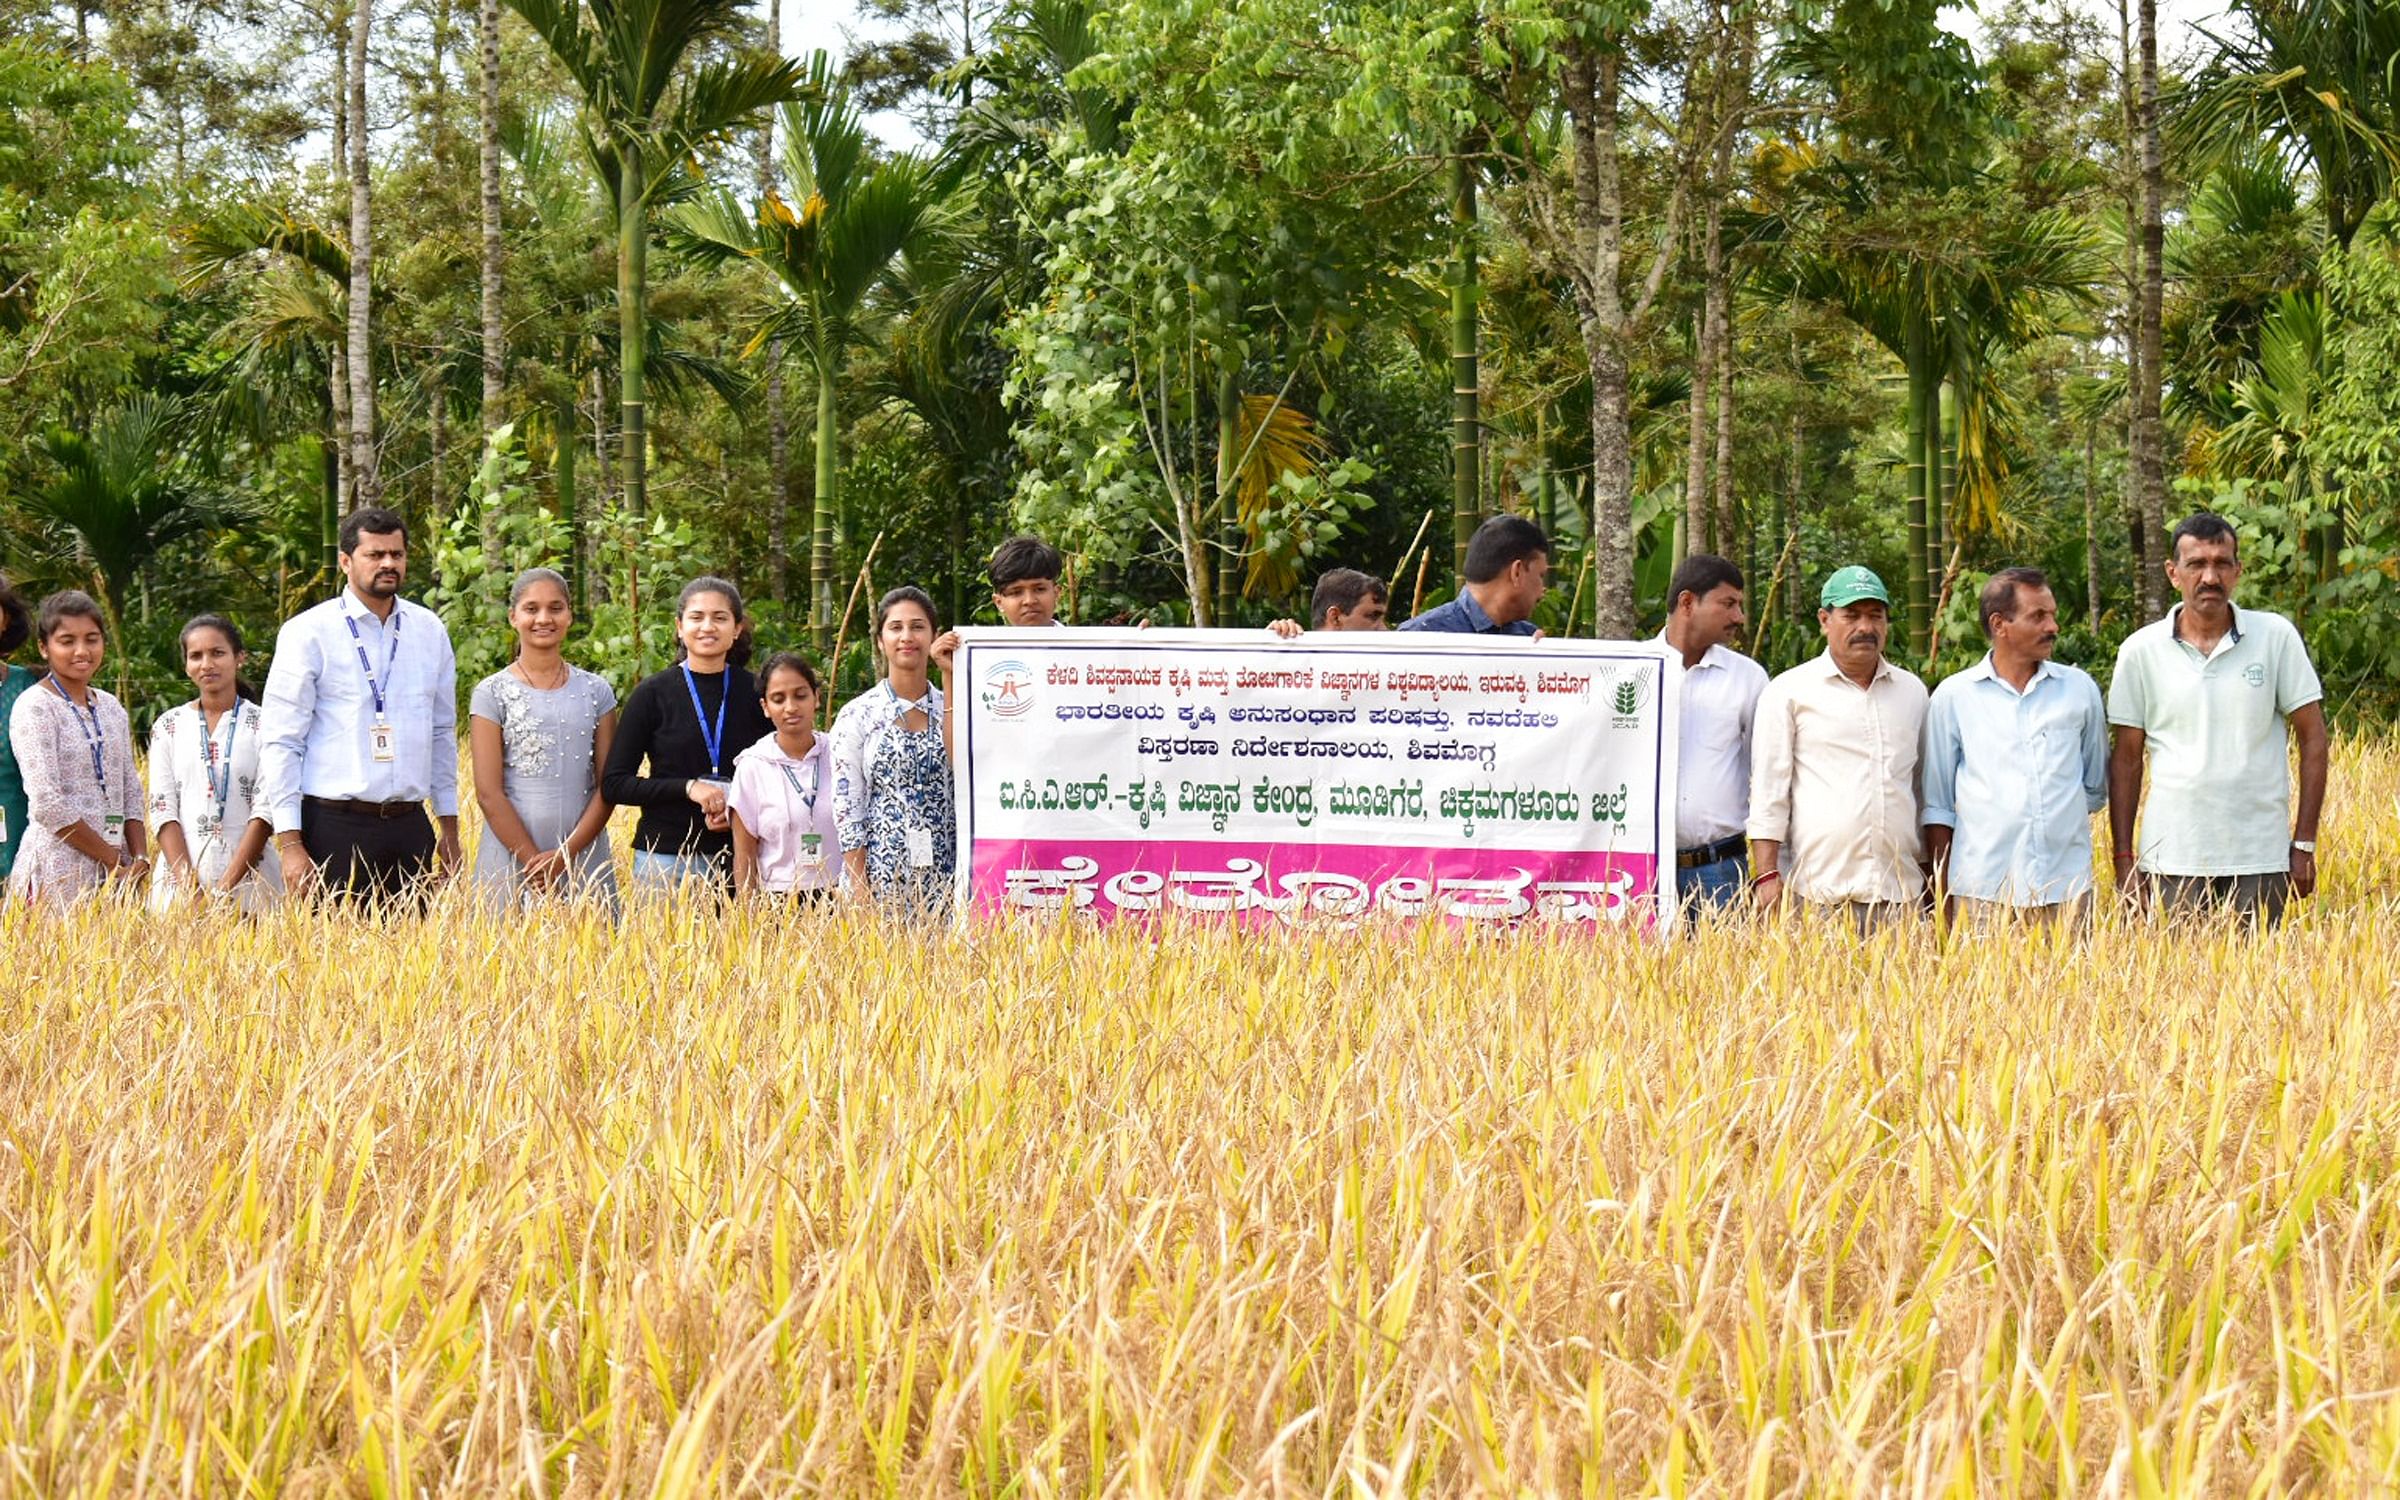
(2305, 846)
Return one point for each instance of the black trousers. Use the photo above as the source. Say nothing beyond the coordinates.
(363, 857)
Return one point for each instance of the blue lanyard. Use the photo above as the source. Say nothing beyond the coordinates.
(95, 739)
(221, 790)
(808, 794)
(713, 741)
(391, 654)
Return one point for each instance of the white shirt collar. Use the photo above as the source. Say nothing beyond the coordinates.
(1715, 656)
(356, 608)
(1883, 668)
(1984, 669)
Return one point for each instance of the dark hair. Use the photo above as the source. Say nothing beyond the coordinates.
(907, 593)
(531, 576)
(1343, 589)
(2000, 595)
(1700, 575)
(65, 605)
(2201, 526)
(1025, 557)
(233, 640)
(788, 661)
(16, 619)
(736, 655)
(370, 518)
(1500, 542)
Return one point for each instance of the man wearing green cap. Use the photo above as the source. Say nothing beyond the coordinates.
(1833, 769)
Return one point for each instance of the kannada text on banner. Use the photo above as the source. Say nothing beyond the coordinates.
(1331, 778)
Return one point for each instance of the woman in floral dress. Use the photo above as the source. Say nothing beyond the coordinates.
(83, 798)
(891, 771)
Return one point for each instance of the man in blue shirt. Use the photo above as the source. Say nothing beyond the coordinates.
(1508, 568)
(2015, 764)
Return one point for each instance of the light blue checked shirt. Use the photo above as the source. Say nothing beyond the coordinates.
(2017, 777)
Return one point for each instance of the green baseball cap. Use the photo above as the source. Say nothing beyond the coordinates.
(1851, 584)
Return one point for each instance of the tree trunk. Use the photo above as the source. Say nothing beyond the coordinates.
(495, 328)
(1947, 490)
(1920, 382)
(437, 433)
(366, 479)
(1787, 522)
(337, 380)
(1723, 530)
(820, 560)
(337, 361)
(633, 325)
(2091, 525)
(562, 468)
(1229, 526)
(2149, 435)
(1592, 79)
(1466, 417)
(1694, 534)
(1937, 478)
(779, 473)
(335, 458)
(1195, 559)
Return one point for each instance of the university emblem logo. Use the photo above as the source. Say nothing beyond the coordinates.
(2255, 674)
(1007, 689)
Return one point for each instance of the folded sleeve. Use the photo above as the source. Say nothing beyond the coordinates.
(1937, 762)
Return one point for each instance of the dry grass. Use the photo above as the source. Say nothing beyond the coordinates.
(749, 1207)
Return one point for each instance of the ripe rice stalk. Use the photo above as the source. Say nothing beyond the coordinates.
(770, 1203)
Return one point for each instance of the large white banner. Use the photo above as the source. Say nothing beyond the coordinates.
(1334, 778)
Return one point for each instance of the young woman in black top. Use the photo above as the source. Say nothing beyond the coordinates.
(689, 722)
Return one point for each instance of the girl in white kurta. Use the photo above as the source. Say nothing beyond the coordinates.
(83, 799)
(209, 821)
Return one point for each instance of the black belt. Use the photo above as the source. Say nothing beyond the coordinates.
(1709, 854)
(400, 809)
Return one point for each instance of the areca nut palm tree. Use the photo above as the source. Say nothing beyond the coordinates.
(648, 110)
(860, 217)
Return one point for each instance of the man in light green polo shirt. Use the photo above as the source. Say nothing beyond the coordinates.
(2206, 695)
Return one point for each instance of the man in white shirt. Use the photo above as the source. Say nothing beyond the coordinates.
(1833, 769)
(1720, 697)
(2211, 698)
(359, 728)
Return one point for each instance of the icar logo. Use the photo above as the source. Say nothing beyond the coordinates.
(1636, 687)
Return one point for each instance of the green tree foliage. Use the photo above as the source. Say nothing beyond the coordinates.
(1187, 290)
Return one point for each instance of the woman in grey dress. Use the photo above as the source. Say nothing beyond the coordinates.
(540, 730)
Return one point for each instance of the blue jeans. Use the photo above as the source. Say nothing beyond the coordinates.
(653, 871)
(1719, 887)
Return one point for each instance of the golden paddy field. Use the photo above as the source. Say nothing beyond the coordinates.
(707, 1206)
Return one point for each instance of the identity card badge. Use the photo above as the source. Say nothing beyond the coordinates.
(920, 848)
(385, 745)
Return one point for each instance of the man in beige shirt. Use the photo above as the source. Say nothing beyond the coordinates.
(1833, 769)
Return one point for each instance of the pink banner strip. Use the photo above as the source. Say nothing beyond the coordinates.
(1313, 883)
